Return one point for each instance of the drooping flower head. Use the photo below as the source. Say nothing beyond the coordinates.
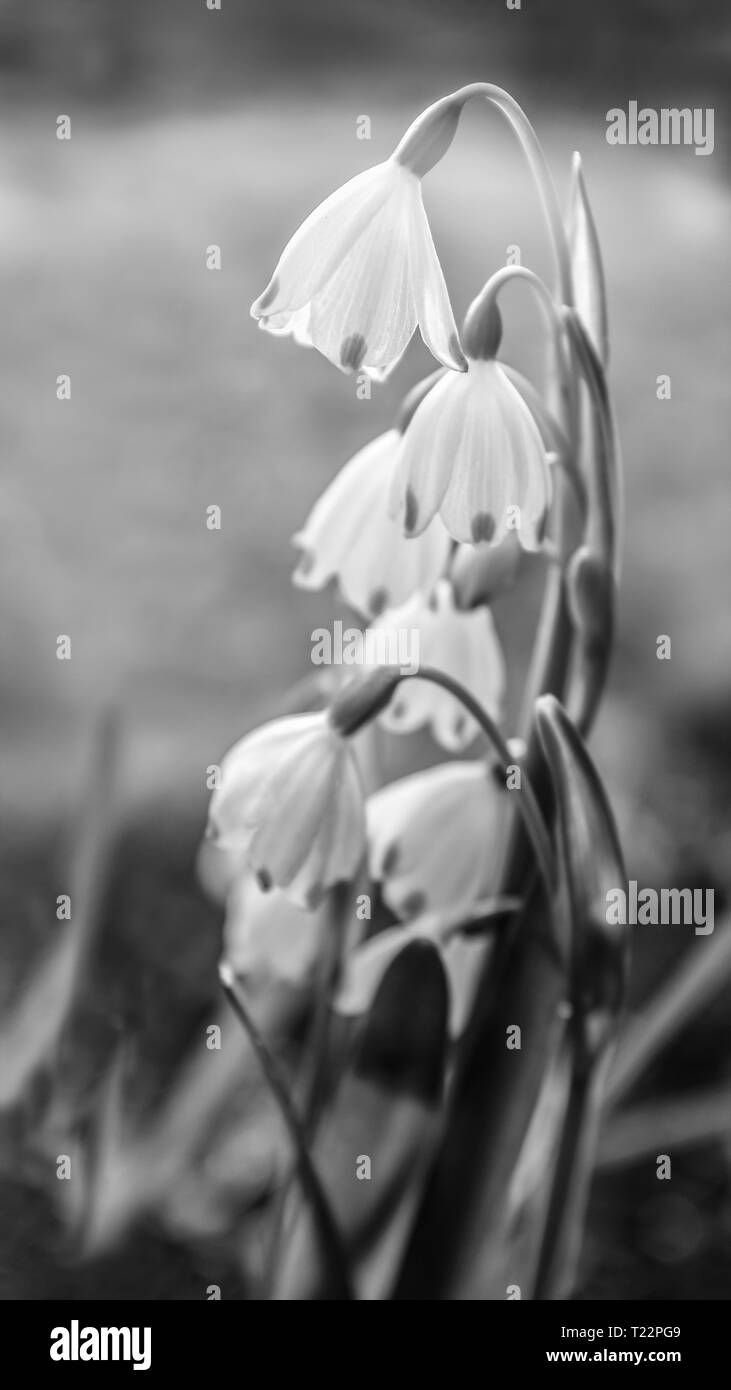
(351, 535)
(464, 645)
(473, 452)
(435, 837)
(290, 801)
(362, 271)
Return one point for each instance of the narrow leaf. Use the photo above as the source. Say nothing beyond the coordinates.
(374, 1142)
(587, 270)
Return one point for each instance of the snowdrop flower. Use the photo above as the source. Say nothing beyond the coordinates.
(351, 535)
(465, 645)
(266, 938)
(362, 271)
(473, 452)
(290, 801)
(434, 838)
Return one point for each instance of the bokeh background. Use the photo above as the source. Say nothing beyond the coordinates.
(192, 127)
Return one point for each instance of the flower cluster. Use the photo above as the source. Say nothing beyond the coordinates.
(422, 530)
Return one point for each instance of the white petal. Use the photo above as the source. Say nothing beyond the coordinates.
(350, 535)
(434, 838)
(531, 471)
(364, 315)
(428, 451)
(360, 273)
(501, 464)
(299, 795)
(320, 245)
(312, 825)
(434, 311)
(245, 774)
(265, 937)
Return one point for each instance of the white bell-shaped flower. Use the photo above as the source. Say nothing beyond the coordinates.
(360, 274)
(433, 632)
(351, 536)
(473, 454)
(435, 837)
(290, 800)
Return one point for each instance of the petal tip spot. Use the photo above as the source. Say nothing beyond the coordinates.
(411, 511)
(264, 880)
(378, 601)
(267, 298)
(353, 351)
(390, 860)
(483, 527)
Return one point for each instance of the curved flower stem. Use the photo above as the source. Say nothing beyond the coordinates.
(533, 150)
(332, 1245)
(530, 809)
(558, 326)
(330, 970)
(551, 311)
(553, 645)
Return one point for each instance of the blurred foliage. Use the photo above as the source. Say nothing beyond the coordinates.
(110, 50)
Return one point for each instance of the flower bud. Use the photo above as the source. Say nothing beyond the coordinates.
(362, 699)
(429, 137)
(590, 593)
(483, 327)
(586, 264)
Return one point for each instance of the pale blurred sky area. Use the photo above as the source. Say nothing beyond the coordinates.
(192, 127)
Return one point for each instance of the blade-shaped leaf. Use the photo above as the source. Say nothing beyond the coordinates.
(587, 271)
(593, 869)
(31, 1034)
(374, 1142)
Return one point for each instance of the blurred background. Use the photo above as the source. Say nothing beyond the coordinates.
(192, 127)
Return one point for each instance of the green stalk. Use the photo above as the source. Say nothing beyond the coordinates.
(332, 1245)
(529, 808)
(514, 113)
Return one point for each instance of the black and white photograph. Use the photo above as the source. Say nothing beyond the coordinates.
(365, 807)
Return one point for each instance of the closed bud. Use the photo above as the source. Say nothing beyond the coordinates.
(483, 327)
(586, 264)
(429, 137)
(590, 591)
(362, 699)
